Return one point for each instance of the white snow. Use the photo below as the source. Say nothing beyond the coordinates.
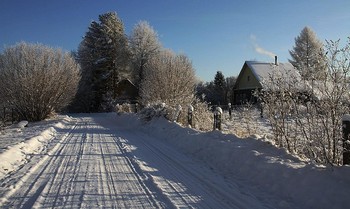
(292, 183)
(22, 124)
(256, 166)
(15, 156)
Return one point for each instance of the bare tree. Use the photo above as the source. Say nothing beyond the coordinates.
(37, 80)
(144, 44)
(168, 78)
(309, 123)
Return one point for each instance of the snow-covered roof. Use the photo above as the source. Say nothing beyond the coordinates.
(273, 75)
(263, 70)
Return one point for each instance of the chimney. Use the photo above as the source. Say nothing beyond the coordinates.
(276, 63)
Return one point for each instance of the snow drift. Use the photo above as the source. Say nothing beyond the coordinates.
(19, 154)
(268, 169)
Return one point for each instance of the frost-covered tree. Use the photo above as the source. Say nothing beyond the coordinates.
(144, 44)
(306, 116)
(308, 55)
(104, 56)
(37, 80)
(168, 78)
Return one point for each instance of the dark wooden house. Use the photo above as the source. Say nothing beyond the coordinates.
(253, 74)
(126, 92)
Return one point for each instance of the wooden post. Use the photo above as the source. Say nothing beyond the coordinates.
(12, 115)
(230, 110)
(217, 118)
(346, 139)
(190, 115)
(4, 116)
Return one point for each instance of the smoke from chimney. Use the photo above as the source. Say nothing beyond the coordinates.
(259, 49)
(262, 51)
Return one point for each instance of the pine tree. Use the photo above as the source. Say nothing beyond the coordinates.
(220, 86)
(308, 55)
(103, 56)
(230, 83)
(115, 54)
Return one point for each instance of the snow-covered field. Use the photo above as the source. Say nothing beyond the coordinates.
(118, 161)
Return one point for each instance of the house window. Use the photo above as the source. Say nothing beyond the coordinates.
(248, 78)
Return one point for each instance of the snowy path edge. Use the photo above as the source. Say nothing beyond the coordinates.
(44, 140)
(18, 155)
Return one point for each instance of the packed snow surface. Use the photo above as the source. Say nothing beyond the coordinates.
(118, 161)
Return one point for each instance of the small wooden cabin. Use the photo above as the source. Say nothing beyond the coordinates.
(126, 92)
(253, 74)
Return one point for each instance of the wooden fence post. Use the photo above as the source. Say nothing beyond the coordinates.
(346, 139)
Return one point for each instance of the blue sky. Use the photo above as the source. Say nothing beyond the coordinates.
(215, 35)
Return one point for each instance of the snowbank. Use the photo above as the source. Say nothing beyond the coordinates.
(269, 169)
(19, 154)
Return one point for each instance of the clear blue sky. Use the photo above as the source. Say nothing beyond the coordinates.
(215, 35)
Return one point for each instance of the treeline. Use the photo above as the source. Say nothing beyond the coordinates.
(107, 55)
(38, 81)
(217, 92)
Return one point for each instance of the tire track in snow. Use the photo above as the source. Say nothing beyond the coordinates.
(156, 196)
(59, 174)
(173, 189)
(175, 173)
(108, 179)
(24, 193)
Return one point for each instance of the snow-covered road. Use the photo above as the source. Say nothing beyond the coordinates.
(100, 162)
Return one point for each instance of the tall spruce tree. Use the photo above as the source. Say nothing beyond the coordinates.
(308, 55)
(220, 86)
(103, 55)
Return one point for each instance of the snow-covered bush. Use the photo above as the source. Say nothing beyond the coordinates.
(247, 115)
(154, 111)
(37, 80)
(202, 116)
(125, 107)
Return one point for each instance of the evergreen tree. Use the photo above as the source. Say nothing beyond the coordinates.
(103, 55)
(220, 86)
(230, 83)
(308, 55)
